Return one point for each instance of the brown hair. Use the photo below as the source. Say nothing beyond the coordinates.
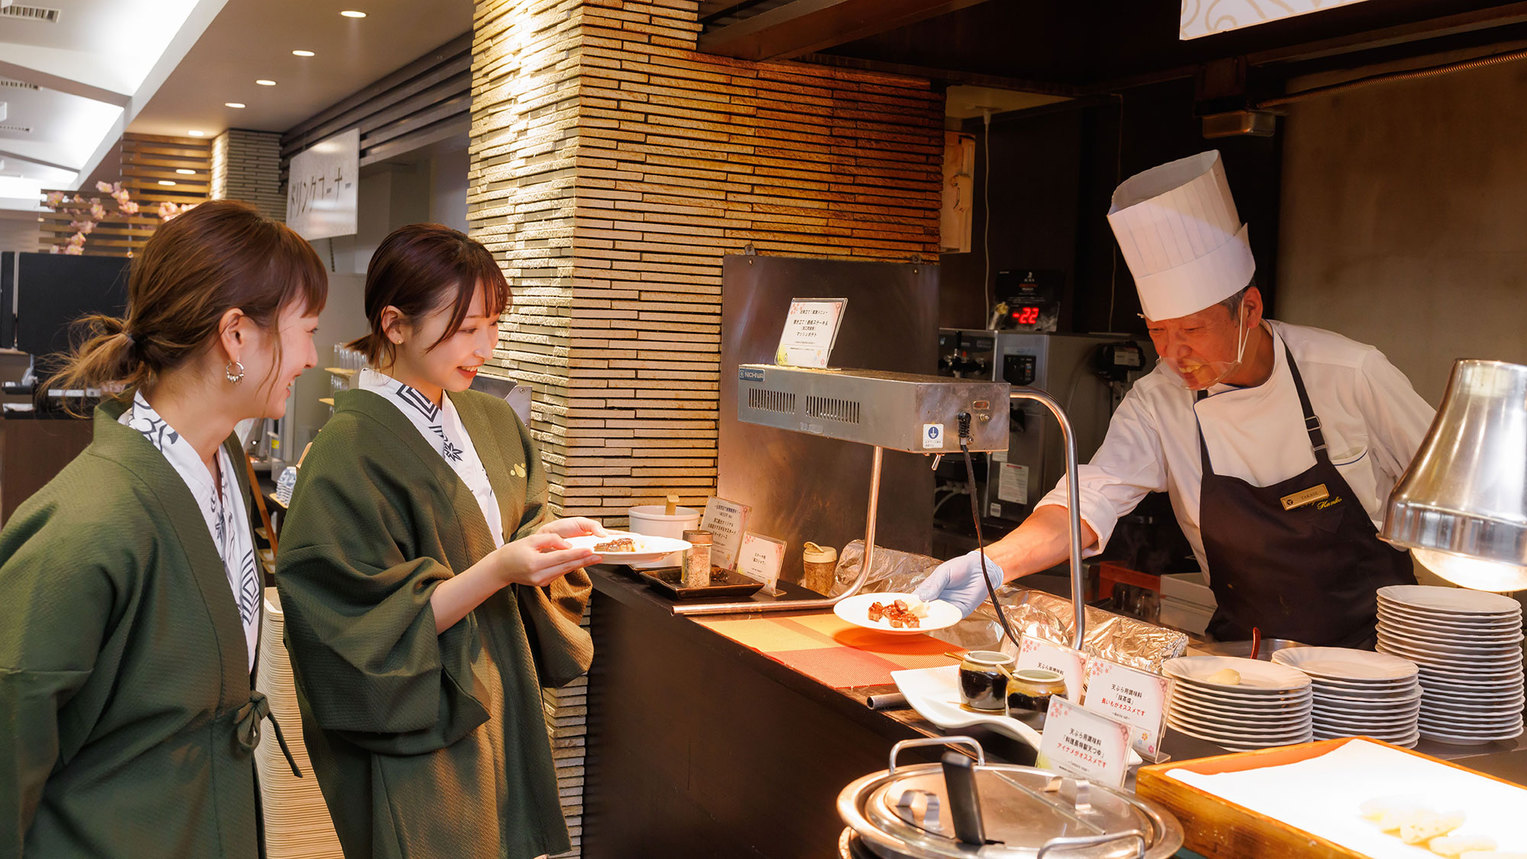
(422, 268)
(218, 256)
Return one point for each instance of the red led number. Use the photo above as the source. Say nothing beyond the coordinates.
(1027, 316)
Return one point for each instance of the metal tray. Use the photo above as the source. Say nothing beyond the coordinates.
(666, 581)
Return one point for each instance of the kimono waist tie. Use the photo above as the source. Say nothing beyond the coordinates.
(247, 727)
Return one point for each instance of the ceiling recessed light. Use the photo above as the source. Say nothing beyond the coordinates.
(194, 133)
(264, 82)
(165, 182)
(348, 13)
(184, 172)
(300, 53)
(234, 104)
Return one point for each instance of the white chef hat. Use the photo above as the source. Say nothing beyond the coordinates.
(1181, 237)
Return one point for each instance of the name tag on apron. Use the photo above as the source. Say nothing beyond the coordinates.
(1307, 496)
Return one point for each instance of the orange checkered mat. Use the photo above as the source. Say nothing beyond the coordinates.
(831, 650)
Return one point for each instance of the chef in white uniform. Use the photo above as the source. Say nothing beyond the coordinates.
(1277, 443)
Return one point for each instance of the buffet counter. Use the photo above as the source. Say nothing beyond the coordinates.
(732, 736)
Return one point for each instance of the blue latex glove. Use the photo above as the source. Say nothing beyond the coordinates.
(958, 581)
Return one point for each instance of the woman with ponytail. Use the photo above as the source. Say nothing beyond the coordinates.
(130, 594)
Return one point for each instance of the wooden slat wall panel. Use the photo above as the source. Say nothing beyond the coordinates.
(246, 166)
(614, 166)
(146, 161)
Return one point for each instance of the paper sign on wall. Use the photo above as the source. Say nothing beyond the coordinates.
(726, 521)
(760, 559)
(323, 188)
(1035, 652)
(1080, 742)
(811, 327)
(1137, 698)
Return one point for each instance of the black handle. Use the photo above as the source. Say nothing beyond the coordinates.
(964, 801)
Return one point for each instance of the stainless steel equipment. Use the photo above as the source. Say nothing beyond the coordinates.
(896, 411)
(1462, 505)
(959, 809)
(1066, 366)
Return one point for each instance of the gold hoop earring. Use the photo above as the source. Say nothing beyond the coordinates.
(234, 371)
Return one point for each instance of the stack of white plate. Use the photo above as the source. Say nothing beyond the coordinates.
(1468, 645)
(1269, 706)
(1359, 693)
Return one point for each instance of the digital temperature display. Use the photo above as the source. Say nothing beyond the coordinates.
(1026, 316)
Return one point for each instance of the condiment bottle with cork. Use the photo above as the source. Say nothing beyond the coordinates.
(819, 566)
(695, 570)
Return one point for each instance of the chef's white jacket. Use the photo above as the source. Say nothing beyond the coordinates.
(1373, 421)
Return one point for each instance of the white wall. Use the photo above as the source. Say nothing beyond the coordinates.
(1404, 219)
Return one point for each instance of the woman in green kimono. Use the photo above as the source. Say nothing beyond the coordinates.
(429, 594)
(129, 589)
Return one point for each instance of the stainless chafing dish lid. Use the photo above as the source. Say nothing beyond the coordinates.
(1026, 812)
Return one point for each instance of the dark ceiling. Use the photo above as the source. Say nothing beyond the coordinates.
(1079, 47)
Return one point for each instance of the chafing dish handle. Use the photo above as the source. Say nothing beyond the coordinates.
(1067, 843)
(964, 800)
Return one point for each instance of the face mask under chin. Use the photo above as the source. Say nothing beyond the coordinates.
(1196, 376)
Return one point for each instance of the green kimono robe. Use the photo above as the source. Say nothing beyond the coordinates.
(126, 720)
(424, 744)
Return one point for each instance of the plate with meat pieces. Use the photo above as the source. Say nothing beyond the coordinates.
(621, 547)
(901, 614)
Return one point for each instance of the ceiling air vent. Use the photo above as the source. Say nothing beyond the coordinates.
(7, 83)
(15, 129)
(30, 13)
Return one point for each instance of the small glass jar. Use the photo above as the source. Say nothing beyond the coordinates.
(695, 567)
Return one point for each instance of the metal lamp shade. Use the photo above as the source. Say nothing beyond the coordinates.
(1462, 504)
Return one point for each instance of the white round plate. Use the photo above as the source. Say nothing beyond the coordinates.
(1470, 739)
(1449, 600)
(1263, 721)
(1225, 696)
(1342, 663)
(648, 548)
(1288, 734)
(1361, 705)
(1241, 743)
(1233, 712)
(1474, 623)
(1510, 639)
(856, 610)
(1408, 717)
(1257, 676)
(1364, 712)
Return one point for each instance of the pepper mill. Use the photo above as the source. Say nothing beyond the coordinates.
(819, 567)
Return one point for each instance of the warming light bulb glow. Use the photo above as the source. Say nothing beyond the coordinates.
(1472, 572)
(234, 104)
(301, 53)
(166, 182)
(264, 82)
(184, 172)
(194, 133)
(350, 13)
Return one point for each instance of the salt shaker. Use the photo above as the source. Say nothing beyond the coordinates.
(819, 566)
(696, 563)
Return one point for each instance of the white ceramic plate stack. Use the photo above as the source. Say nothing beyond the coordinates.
(1270, 706)
(1468, 645)
(1359, 693)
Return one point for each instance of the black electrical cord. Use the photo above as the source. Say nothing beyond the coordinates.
(975, 515)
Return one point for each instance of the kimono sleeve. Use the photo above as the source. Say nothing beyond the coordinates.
(56, 602)
(359, 624)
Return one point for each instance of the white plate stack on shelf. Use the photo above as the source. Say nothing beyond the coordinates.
(1269, 705)
(1468, 646)
(1359, 693)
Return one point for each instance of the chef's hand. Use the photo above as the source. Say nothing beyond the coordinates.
(576, 526)
(958, 581)
(539, 559)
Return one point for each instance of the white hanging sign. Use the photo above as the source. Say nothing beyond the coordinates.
(323, 184)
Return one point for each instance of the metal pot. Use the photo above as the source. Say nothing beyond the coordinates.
(961, 807)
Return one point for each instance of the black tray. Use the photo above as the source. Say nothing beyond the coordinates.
(667, 581)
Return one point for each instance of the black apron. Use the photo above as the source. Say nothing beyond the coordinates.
(1299, 559)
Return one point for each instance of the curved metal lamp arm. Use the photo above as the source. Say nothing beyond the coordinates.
(805, 605)
(1073, 488)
